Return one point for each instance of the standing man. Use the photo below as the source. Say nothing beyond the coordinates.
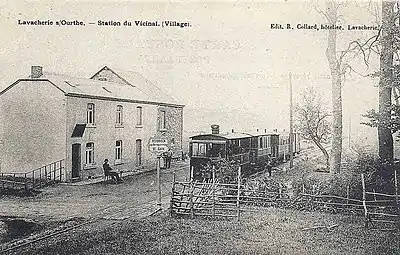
(168, 158)
(269, 167)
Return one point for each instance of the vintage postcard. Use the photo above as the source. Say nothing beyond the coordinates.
(200, 127)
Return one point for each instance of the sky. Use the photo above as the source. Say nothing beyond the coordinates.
(228, 59)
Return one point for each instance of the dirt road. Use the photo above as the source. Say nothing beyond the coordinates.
(96, 200)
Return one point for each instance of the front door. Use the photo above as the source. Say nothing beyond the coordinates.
(139, 152)
(76, 160)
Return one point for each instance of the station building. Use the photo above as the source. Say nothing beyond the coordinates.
(51, 117)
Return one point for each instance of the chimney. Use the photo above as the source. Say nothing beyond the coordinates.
(257, 129)
(275, 130)
(214, 129)
(265, 130)
(233, 131)
(36, 71)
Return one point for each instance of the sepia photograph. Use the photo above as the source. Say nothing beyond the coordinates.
(199, 127)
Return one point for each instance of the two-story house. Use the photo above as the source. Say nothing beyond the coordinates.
(50, 117)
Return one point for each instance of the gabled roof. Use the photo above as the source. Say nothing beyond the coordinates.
(90, 88)
(138, 81)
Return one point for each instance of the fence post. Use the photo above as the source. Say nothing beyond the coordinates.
(373, 190)
(40, 177)
(26, 183)
(61, 169)
(213, 191)
(397, 197)
(238, 193)
(191, 199)
(347, 193)
(364, 198)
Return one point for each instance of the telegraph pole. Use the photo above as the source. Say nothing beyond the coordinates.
(291, 122)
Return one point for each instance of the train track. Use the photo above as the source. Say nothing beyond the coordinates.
(109, 219)
(109, 215)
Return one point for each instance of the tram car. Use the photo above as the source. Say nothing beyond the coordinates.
(251, 150)
(283, 153)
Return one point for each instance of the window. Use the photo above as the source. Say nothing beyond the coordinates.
(119, 114)
(90, 113)
(162, 120)
(139, 112)
(261, 143)
(199, 149)
(89, 153)
(118, 150)
(202, 149)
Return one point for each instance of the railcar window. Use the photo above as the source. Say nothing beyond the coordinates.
(199, 149)
(208, 150)
(216, 150)
(202, 149)
(195, 149)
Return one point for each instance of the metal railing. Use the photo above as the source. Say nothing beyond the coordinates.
(36, 179)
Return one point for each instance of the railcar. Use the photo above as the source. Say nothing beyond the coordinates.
(265, 146)
(251, 150)
(284, 145)
(205, 149)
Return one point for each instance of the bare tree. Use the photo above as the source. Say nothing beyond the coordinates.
(336, 74)
(387, 118)
(339, 64)
(385, 137)
(312, 120)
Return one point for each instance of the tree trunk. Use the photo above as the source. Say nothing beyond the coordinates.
(323, 150)
(385, 138)
(334, 65)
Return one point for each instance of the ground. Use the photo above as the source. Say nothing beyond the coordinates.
(94, 200)
(269, 231)
(124, 225)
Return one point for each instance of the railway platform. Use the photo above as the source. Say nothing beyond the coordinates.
(143, 170)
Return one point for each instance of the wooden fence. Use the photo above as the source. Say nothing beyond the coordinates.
(215, 199)
(381, 208)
